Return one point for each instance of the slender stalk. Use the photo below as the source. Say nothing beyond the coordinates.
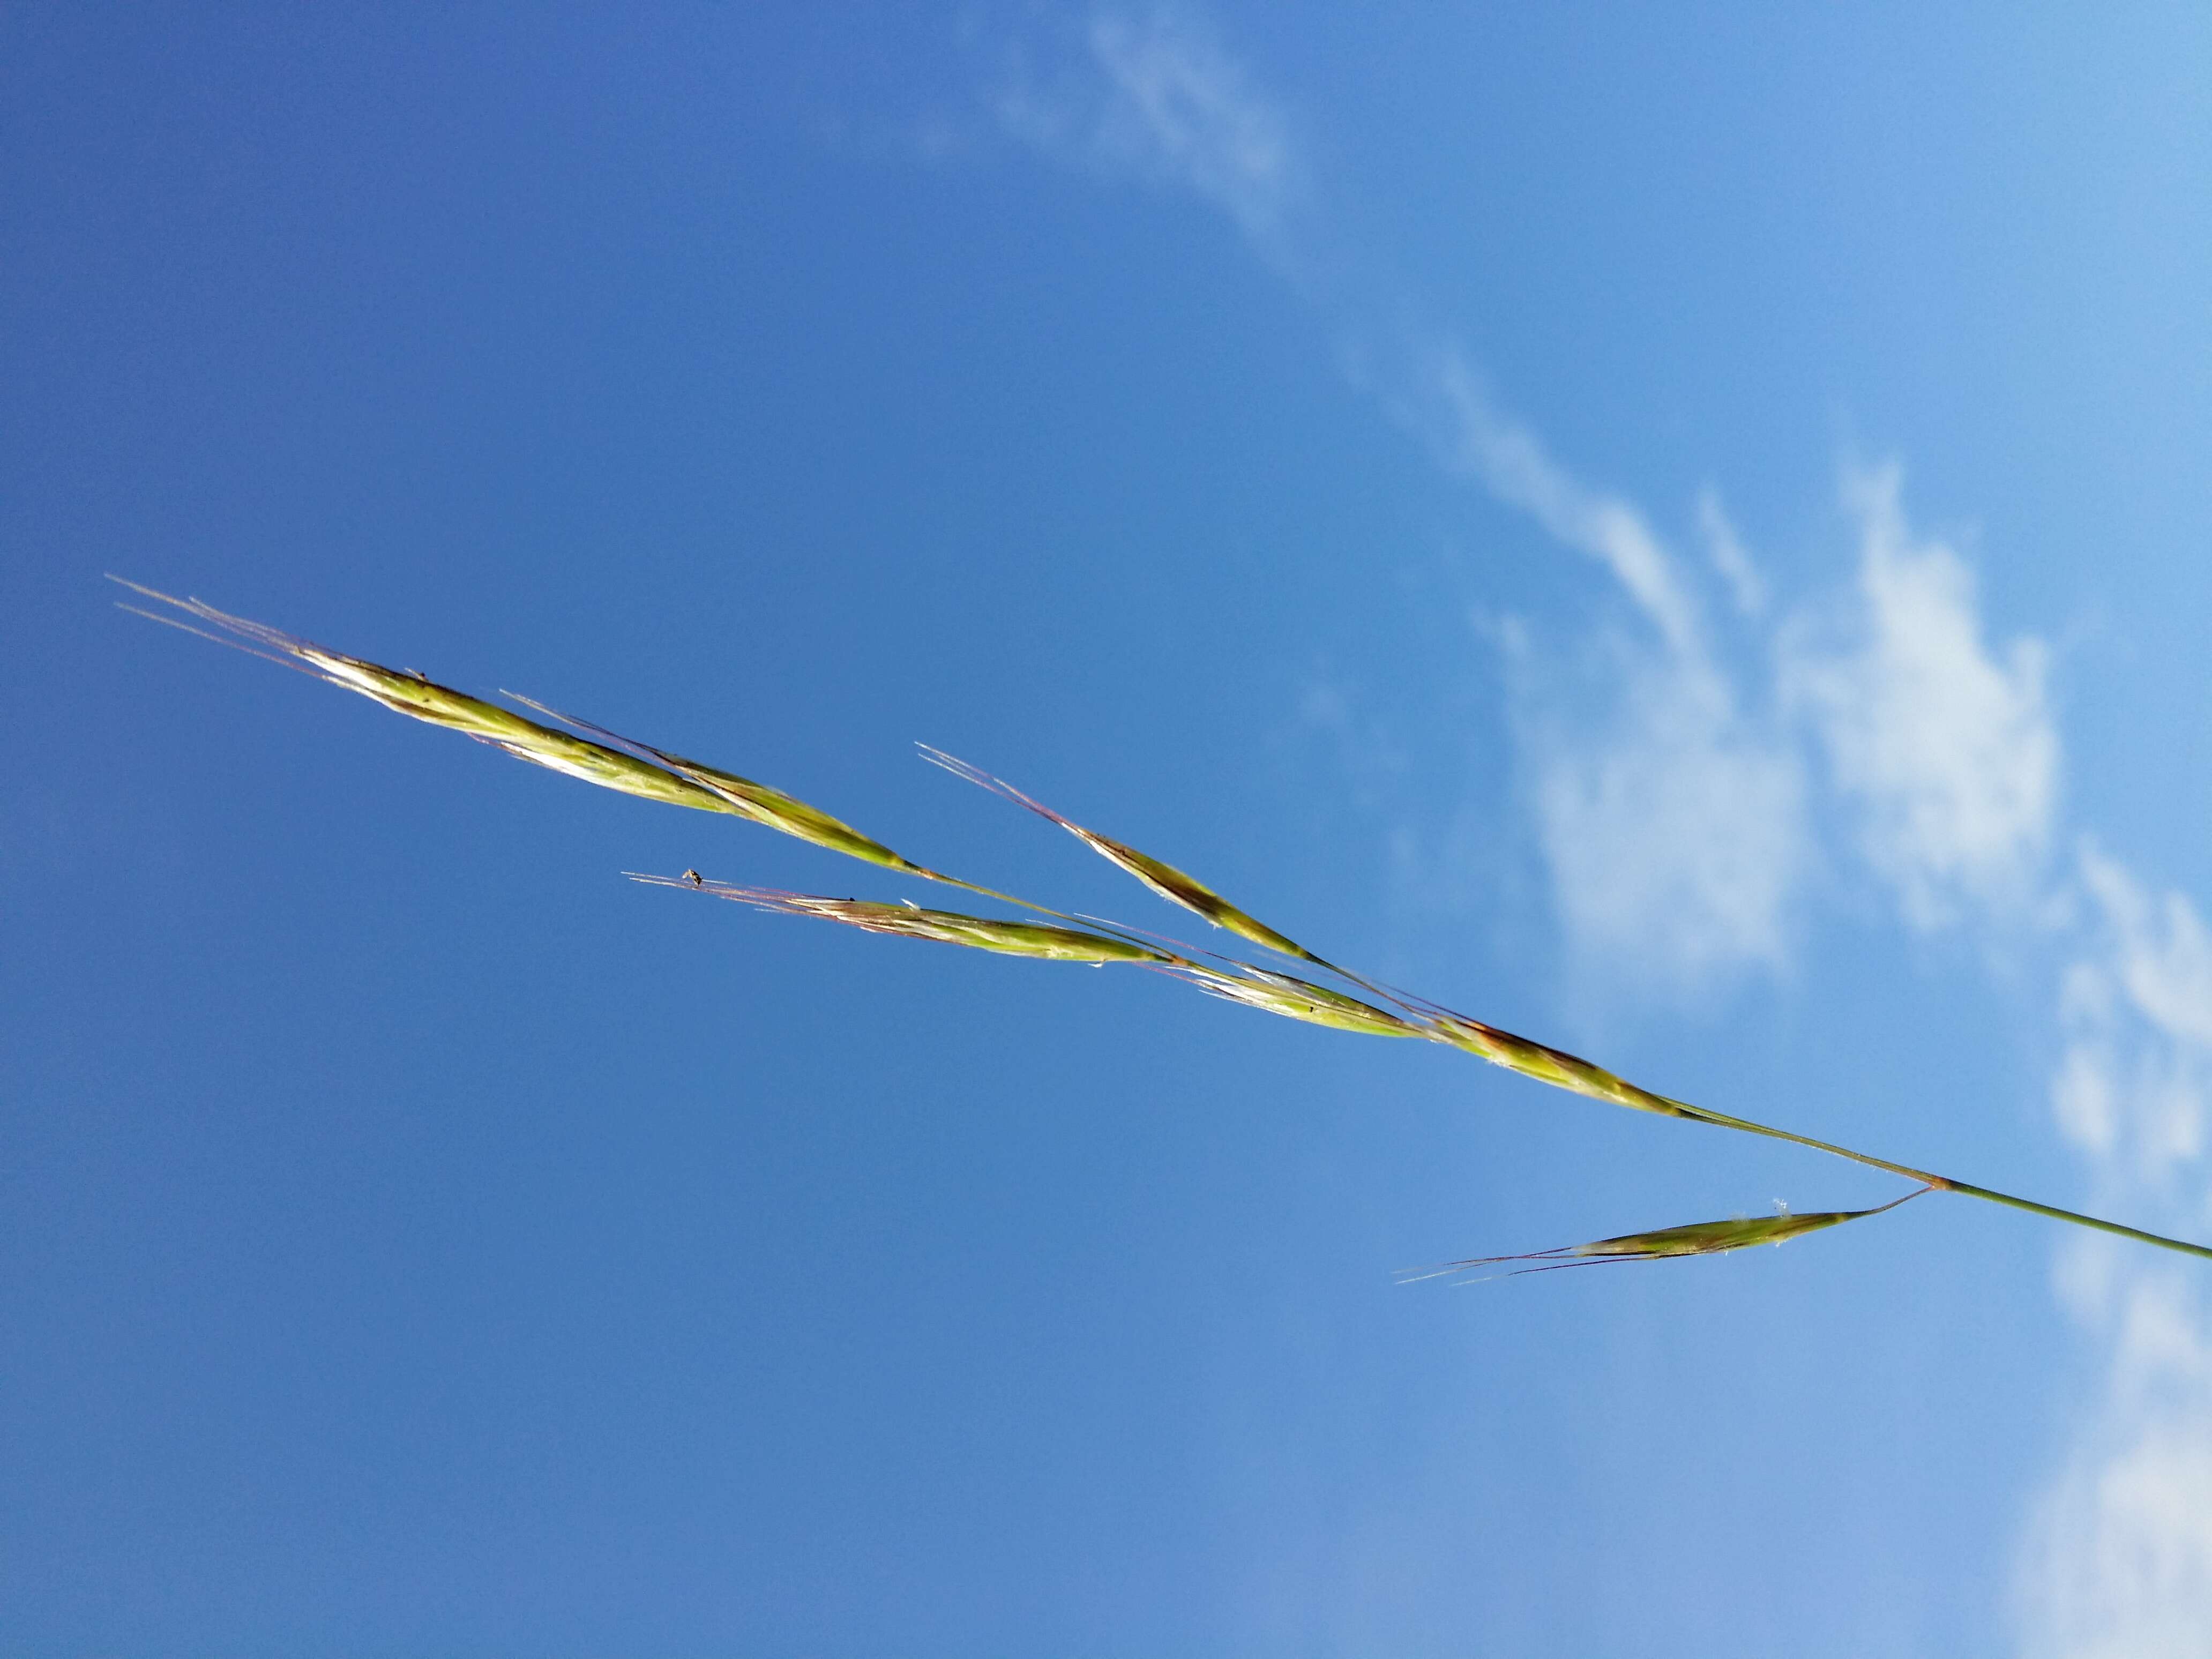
(2081, 1220)
(1946, 1184)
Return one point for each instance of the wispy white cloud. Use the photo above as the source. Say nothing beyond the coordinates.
(1513, 465)
(1730, 558)
(1672, 822)
(2118, 1563)
(1157, 98)
(1673, 827)
(2118, 1556)
(2134, 1084)
(1947, 751)
(2162, 953)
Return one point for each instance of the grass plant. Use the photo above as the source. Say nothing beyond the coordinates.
(581, 750)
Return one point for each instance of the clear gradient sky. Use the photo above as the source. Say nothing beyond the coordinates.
(1684, 532)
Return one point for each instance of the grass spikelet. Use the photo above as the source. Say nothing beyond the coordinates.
(1014, 938)
(1552, 1065)
(1665, 1244)
(617, 762)
(1295, 999)
(757, 801)
(419, 698)
(1177, 886)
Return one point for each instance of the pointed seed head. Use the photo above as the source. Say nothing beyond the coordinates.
(1295, 999)
(1017, 939)
(1177, 886)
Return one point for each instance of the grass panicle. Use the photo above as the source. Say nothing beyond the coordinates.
(611, 761)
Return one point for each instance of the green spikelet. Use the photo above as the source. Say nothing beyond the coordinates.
(618, 762)
(1695, 1238)
(1177, 886)
(1552, 1065)
(1014, 938)
(1295, 999)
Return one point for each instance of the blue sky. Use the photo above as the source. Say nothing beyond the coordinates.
(1682, 533)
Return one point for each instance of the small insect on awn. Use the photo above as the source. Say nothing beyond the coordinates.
(695, 878)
